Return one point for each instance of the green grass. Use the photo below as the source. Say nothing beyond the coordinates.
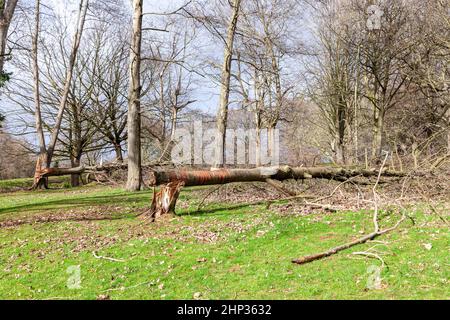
(224, 252)
(25, 183)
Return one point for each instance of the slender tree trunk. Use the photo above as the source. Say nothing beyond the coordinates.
(73, 55)
(341, 132)
(378, 127)
(134, 106)
(258, 146)
(222, 114)
(165, 156)
(355, 112)
(338, 150)
(174, 123)
(75, 178)
(271, 148)
(259, 103)
(3, 34)
(63, 101)
(42, 162)
(7, 8)
(118, 151)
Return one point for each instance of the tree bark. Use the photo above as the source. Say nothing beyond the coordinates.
(172, 181)
(222, 176)
(271, 147)
(222, 114)
(258, 145)
(134, 106)
(165, 155)
(75, 177)
(165, 200)
(118, 150)
(378, 127)
(42, 161)
(7, 8)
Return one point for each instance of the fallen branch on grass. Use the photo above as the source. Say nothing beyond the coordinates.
(361, 240)
(106, 258)
(371, 255)
(376, 233)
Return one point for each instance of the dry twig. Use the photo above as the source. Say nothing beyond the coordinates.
(106, 258)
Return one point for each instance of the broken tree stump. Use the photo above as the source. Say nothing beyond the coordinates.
(165, 199)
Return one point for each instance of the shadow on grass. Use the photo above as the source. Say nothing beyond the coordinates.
(15, 223)
(222, 210)
(120, 199)
(80, 202)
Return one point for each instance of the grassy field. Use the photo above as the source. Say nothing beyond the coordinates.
(225, 251)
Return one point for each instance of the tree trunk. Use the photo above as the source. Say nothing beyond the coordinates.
(4, 26)
(165, 156)
(378, 127)
(222, 114)
(118, 150)
(339, 153)
(42, 157)
(172, 181)
(271, 147)
(134, 105)
(222, 176)
(75, 177)
(7, 8)
(340, 132)
(41, 181)
(258, 146)
(338, 149)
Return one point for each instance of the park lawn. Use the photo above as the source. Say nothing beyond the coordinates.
(25, 183)
(225, 251)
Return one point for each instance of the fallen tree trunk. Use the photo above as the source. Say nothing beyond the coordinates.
(43, 174)
(222, 176)
(49, 172)
(173, 180)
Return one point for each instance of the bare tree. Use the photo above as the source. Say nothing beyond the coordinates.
(45, 158)
(134, 106)
(225, 86)
(333, 87)
(171, 92)
(264, 43)
(108, 105)
(37, 97)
